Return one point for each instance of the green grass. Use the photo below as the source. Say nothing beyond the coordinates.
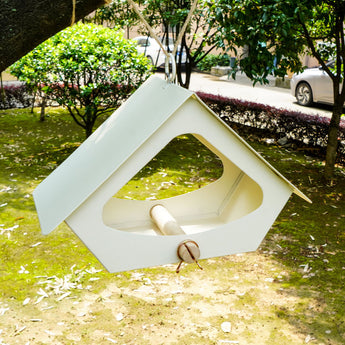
(292, 286)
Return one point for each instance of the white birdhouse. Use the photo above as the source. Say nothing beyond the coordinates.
(230, 215)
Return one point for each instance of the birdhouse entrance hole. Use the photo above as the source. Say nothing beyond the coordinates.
(214, 190)
(184, 165)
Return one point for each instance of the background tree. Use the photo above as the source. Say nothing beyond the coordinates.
(167, 18)
(117, 12)
(34, 74)
(86, 68)
(26, 24)
(277, 33)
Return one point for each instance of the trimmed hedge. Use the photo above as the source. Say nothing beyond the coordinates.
(308, 131)
(210, 60)
(303, 130)
(15, 96)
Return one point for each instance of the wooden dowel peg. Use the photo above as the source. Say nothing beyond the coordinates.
(187, 251)
(165, 222)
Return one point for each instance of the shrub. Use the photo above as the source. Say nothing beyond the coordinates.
(86, 68)
(213, 60)
(304, 130)
(15, 96)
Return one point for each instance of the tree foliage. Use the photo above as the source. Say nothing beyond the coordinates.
(117, 12)
(267, 29)
(86, 68)
(278, 32)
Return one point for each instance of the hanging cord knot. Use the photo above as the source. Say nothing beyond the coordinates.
(170, 76)
(188, 251)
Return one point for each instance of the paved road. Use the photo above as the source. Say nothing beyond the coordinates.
(243, 89)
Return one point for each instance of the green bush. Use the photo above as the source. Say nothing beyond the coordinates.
(213, 60)
(87, 68)
(14, 96)
(303, 130)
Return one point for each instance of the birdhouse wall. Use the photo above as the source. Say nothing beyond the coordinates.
(231, 215)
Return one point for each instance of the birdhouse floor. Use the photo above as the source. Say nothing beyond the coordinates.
(188, 227)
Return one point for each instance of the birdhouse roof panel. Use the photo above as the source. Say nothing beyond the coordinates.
(105, 150)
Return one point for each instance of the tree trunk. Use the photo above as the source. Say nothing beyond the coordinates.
(2, 90)
(188, 71)
(332, 143)
(188, 66)
(88, 131)
(43, 108)
(27, 23)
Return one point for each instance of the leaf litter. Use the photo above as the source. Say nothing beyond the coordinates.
(63, 287)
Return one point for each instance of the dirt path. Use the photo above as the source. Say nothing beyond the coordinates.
(232, 301)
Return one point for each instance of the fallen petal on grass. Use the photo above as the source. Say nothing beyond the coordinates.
(226, 327)
(26, 301)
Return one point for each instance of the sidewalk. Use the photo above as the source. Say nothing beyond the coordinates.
(241, 78)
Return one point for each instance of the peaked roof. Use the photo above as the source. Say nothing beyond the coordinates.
(68, 186)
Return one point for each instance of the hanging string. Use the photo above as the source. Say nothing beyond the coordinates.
(184, 27)
(73, 12)
(153, 34)
(149, 28)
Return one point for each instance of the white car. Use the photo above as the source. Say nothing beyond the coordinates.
(312, 85)
(151, 49)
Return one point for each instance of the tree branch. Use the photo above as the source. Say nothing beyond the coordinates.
(26, 24)
(314, 51)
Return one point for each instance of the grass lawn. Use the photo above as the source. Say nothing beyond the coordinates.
(53, 291)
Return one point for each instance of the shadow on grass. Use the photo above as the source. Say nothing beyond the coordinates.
(309, 239)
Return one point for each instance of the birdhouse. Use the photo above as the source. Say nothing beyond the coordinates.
(230, 215)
